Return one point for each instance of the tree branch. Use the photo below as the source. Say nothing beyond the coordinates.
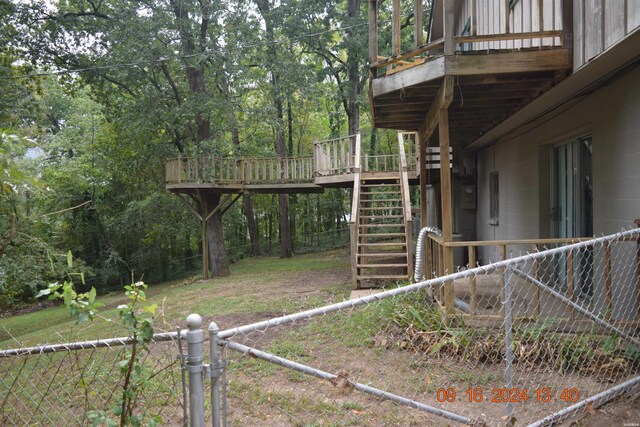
(174, 88)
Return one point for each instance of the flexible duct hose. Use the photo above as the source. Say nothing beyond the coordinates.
(418, 273)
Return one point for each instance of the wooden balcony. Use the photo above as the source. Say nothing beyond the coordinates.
(500, 55)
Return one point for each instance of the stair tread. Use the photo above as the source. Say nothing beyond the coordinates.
(380, 216)
(384, 255)
(381, 234)
(383, 276)
(380, 200)
(378, 208)
(390, 225)
(383, 244)
(382, 265)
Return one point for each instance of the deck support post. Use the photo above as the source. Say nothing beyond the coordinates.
(447, 218)
(422, 171)
(204, 214)
(432, 119)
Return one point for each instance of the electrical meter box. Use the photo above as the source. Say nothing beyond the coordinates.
(469, 197)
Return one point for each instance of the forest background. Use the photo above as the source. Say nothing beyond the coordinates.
(95, 95)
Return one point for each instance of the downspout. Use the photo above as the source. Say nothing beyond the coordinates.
(418, 274)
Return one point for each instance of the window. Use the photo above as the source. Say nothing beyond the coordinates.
(494, 198)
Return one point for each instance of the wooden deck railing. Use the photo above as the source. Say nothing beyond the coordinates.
(479, 25)
(336, 157)
(225, 170)
(406, 201)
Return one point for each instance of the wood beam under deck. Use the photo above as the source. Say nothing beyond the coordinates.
(477, 64)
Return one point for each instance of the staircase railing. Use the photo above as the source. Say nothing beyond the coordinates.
(353, 218)
(406, 202)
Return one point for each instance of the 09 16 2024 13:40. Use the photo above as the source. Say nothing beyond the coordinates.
(513, 395)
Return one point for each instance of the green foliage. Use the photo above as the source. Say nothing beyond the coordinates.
(30, 263)
(81, 305)
(138, 319)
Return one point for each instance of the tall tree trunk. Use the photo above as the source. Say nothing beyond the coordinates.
(195, 71)
(218, 261)
(281, 149)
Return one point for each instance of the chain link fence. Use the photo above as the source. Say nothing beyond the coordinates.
(67, 384)
(534, 339)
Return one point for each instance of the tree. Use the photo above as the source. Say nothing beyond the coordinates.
(264, 7)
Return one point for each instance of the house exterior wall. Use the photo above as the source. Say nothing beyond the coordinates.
(611, 115)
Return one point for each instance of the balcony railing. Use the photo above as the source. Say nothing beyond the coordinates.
(479, 25)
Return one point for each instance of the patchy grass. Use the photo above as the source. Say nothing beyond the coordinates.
(258, 285)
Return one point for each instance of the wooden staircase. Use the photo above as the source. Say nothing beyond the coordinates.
(382, 250)
(381, 247)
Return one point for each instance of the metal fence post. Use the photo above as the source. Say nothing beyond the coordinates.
(195, 367)
(217, 369)
(508, 337)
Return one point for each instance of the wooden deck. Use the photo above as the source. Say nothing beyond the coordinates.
(499, 59)
(332, 165)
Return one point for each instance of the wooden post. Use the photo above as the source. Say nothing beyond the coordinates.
(204, 214)
(417, 15)
(540, 20)
(373, 36)
(472, 280)
(445, 197)
(506, 16)
(567, 27)
(637, 222)
(395, 27)
(354, 253)
(607, 280)
(448, 23)
(474, 18)
(536, 289)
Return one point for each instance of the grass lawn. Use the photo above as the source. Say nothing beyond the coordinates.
(266, 285)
